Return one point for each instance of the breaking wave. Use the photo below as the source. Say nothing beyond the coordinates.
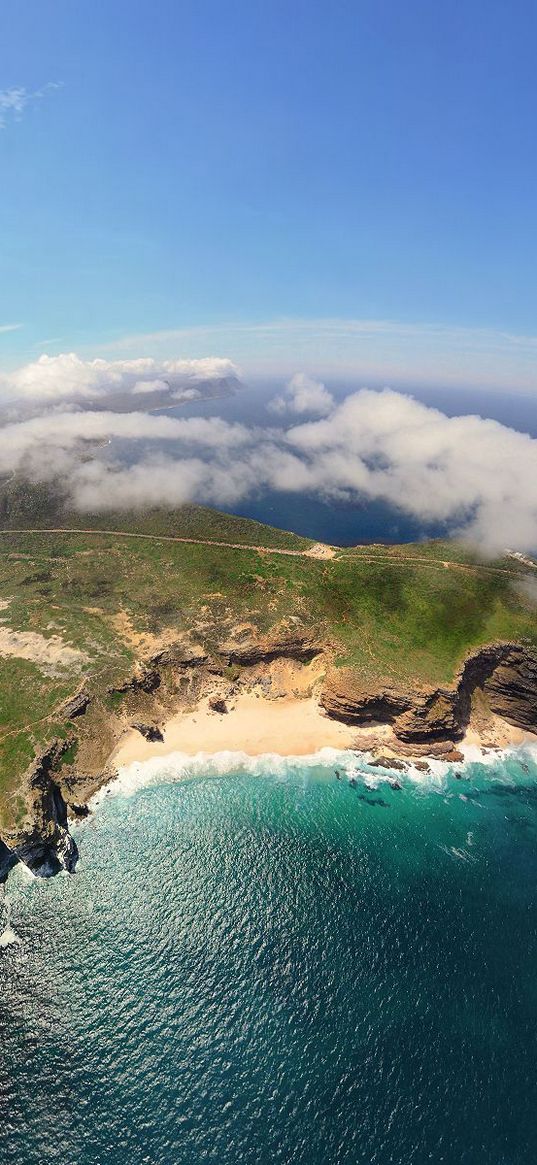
(518, 764)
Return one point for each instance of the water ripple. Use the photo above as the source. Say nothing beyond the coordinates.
(265, 968)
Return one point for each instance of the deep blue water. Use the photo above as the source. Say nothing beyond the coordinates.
(273, 966)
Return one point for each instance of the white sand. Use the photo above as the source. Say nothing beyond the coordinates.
(288, 726)
(498, 733)
(254, 726)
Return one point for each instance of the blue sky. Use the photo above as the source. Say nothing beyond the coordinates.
(209, 178)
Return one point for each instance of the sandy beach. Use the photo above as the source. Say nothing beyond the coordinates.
(497, 733)
(254, 725)
(289, 726)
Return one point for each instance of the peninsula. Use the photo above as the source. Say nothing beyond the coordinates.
(125, 635)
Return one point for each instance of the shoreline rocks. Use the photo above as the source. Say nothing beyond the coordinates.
(506, 673)
(426, 723)
(148, 731)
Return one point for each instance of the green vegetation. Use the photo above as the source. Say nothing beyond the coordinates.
(33, 506)
(417, 620)
(407, 613)
(69, 755)
(114, 700)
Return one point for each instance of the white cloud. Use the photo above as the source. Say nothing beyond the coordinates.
(41, 440)
(475, 474)
(162, 480)
(303, 394)
(14, 101)
(386, 445)
(157, 385)
(9, 328)
(68, 377)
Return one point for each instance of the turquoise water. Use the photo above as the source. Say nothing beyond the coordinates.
(276, 966)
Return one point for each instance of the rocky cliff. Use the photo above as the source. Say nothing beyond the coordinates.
(506, 674)
(42, 839)
(425, 721)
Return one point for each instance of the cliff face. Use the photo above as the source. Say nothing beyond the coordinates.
(512, 688)
(346, 697)
(424, 721)
(266, 650)
(42, 841)
(506, 673)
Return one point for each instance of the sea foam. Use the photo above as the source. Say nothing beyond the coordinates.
(517, 762)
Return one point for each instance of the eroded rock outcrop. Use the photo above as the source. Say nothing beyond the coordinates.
(148, 731)
(512, 688)
(267, 649)
(345, 696)
(145, 679)
(218, 704)
(76, 706)
(506, 673)
(432, 716)
(42, 841)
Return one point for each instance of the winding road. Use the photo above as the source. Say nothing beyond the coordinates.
(318, 550)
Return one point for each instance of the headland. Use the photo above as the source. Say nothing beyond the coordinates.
(125, 636)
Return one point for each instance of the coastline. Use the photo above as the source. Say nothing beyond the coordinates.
(257, 725)
(269, 706)
(369, 755)
(254, 725)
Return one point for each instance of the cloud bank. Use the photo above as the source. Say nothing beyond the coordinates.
(69, 378)
(475, 474)
(359, 350)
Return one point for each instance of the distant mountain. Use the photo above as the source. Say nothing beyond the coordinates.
(127, 402)
(123, 401)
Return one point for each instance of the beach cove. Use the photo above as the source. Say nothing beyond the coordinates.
(255, 725)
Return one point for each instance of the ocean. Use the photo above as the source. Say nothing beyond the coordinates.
(263, 963)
